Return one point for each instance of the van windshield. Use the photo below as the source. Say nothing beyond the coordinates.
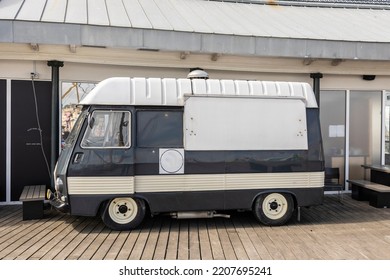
(76, 128)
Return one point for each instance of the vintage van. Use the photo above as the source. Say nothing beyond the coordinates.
(191, 148)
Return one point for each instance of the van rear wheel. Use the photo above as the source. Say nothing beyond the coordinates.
(124, 213)
(273, 209)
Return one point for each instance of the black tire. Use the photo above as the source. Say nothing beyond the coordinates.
(123, 213)
(273, 209)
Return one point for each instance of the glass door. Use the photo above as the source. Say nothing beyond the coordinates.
(354, 131)
(365, 132)
(332, 116)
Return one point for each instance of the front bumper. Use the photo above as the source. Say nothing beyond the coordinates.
(57, 203)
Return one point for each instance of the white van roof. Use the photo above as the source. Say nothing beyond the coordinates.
(172, 92)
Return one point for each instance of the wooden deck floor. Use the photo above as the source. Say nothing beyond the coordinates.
(333, 231)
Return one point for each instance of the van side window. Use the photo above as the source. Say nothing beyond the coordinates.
(107, 129)
(159, 129)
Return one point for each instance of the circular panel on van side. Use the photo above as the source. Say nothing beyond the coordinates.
(171, 161)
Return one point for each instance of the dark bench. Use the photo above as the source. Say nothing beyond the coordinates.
(33, 198)
(378, 195)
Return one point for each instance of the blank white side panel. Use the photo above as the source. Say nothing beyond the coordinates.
(245, 124)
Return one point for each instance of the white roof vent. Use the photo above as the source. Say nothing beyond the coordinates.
(198, 74)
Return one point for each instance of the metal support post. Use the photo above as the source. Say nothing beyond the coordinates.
(316, 85)
(55, 113)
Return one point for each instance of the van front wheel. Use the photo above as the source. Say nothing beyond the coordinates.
(274, 209)
(124, 213)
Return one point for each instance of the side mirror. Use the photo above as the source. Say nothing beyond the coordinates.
(91, 121)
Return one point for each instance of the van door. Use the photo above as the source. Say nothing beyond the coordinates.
(102, 162)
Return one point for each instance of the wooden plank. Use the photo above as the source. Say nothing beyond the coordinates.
(43, 242)
(204, 241)
(245, 240)
(74, 240)
(215, 243)
(52, 249)
(173, 241)
(322, 232)
(361, 183)
(37, 192)
(235, 240)
(256, 241)
(272, 249)
(42, 191)
(105, 246)
(20, 230)
(334, 230)
(378, 188)
(114, 250)
(24, 193)
(370, 185)
(308, 243)
(24, 236)
(299, 247)
(9, 216)
(361, 234)
(183, 247)
(279, 242)
(129, 244)
(162, 243)
(31, 193)
(226, 245)
(83, 246)
(93, 247)
(139, 246)
(194, 241)
(151, 244)
(14, 228)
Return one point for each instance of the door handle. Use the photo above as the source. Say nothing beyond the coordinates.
(78, 157)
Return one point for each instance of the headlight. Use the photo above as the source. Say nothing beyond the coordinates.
(59, 185)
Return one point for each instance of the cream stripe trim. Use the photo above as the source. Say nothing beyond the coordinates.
(197, 182)
(101, 185)
(215, 182)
